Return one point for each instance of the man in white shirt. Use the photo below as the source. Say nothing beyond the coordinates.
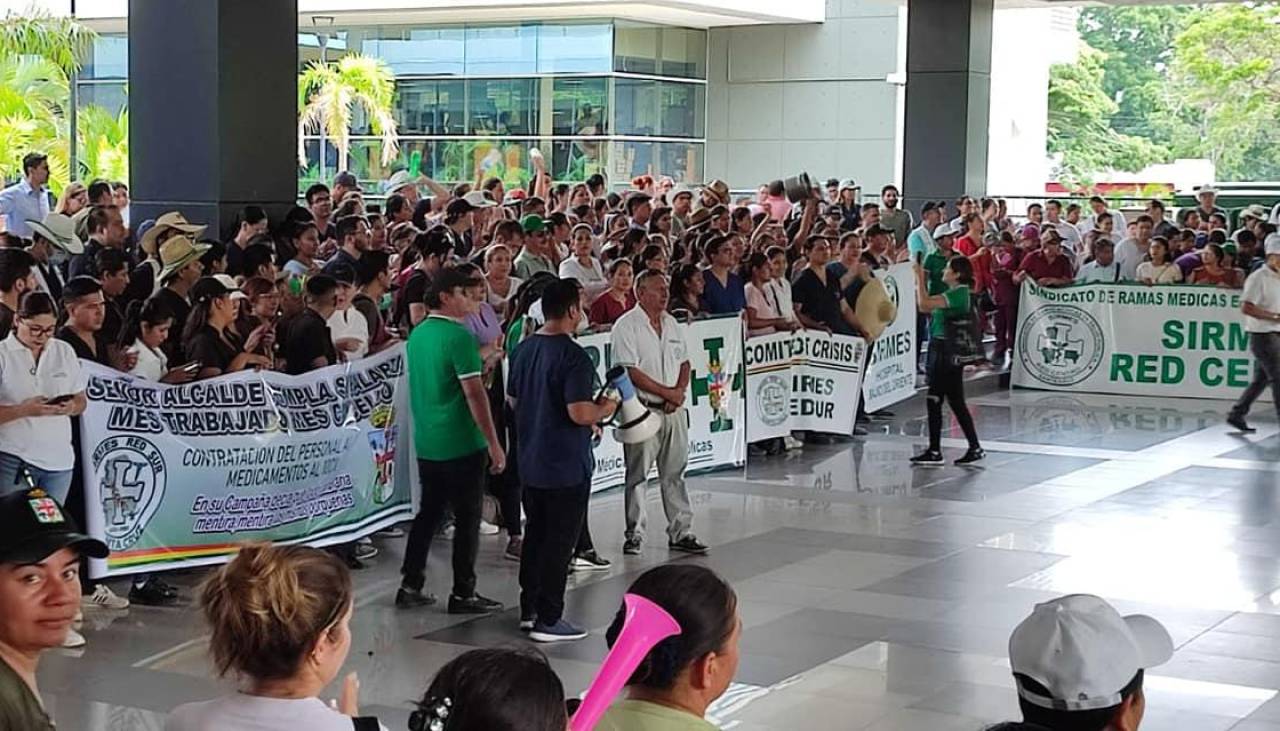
(28, 199)
(651, 345)
(1070, 235)
(1133, 252)
(1104, 268)
(1261, 310)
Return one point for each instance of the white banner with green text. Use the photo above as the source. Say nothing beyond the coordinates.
(180, 475)
(1133, 339)
(891, 374)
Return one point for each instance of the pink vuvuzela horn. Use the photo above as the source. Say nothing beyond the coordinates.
(645, 625)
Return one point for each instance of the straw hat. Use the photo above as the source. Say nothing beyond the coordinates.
(178, 252)
(60, 230)
(875, 309)
(699, 218)
(719, 189)
(164, 224)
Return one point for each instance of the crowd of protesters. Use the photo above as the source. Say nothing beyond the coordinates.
(473, 277)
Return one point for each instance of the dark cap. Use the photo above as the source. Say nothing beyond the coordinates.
(878, 230)
(341, 271)
(346, 180)
(930, 206)
(36, 527)
(458, 207)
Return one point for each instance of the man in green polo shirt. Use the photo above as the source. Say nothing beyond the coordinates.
(454, 439)
(537, 254)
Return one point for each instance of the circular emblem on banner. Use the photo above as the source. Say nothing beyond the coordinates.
(771, 400)
(1061, 345)
(131, 477)
(891, 286)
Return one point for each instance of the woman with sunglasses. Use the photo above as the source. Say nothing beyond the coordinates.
(41, 388)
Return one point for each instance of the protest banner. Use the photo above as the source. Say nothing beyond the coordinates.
(891, 374)
(715, 402)
(1133, 339)
(179, 475)
(807, 380)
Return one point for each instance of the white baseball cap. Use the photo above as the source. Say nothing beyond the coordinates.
(1081, 650)
(1272, 244)
(947, 228)
(1208, 188)
(478, 199)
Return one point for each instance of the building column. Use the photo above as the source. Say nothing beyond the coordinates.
(212, 108)
(948, 106)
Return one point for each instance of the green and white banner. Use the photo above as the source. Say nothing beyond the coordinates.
(179, 475)
(1133, 339)
(891, 375)
(715, 403)
(807, 380)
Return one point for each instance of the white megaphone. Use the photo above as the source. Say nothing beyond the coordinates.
(636, 423)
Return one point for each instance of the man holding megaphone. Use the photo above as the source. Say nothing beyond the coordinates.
(550, 390)
(651, 345)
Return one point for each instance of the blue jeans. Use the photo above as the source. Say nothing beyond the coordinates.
(13, 479)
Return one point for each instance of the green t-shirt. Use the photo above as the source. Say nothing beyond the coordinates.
(629, 715)
(957, 306)
(442, 353)
(19, 708)
(934, 264)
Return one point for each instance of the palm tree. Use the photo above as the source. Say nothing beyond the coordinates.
(61, 40)
(104, 143)
(33, 102)
(329, 93)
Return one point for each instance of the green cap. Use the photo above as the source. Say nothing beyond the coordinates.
(532, 224)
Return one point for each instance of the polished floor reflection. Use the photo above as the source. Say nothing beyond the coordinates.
(874, 596)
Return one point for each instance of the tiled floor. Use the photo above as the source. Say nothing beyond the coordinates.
(874, 596)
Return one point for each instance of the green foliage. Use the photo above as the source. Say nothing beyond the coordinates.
(1080, 130)
(328, 94)
(59, 40)
(1224, 90)
(104, 143)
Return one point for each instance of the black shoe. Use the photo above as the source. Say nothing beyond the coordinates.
(474, 604)
(1240, 424)
(153, 593)
(632, 547)
(413, 598)
(882, 415)
(930, 458)
(859, 430)
(688, 544)
(816, 438)
(973, 455)
(354, 563)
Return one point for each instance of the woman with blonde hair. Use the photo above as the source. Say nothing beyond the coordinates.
(279, 619)
(73, 199)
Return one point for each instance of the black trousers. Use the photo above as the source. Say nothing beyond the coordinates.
(457, 484)
(554, 519)
(506, 486)
(946, 381)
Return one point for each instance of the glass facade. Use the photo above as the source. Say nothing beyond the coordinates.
(612, 97)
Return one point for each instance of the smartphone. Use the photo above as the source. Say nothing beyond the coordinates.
(56, 400)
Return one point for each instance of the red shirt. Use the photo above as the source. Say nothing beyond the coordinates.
(1038, 267)
(966, 245)
(982, 277)
(606, 309)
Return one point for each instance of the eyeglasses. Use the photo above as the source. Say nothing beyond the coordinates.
(41, 332)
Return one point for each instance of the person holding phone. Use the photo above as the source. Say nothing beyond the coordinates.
(41, 388)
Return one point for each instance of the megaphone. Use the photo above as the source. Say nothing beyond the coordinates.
(644, 625)
(799, 188)
(636, 423)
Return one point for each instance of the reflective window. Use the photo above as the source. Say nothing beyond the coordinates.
(683, 109)
(470, 160)
(578, 159)
(684, 53)
(107, 59)
(112, 97)
(579, 106)
(636, 107)
(406, 50)
(431, 107)
(574, 48)
(682, 161)
(500, 50)
(635, 48)
(502, 106)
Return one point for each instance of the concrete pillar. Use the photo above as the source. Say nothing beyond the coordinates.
(212, 108)
(948, 105)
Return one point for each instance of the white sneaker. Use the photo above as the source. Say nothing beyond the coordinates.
(792, 443)
(487, 528)
(73, 639)
(103, 598)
